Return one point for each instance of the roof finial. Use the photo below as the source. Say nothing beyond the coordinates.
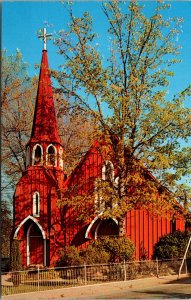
(44, 37)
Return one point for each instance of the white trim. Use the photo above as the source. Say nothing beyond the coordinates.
(97, 228)
(28, 244)
(36, 213)
(33, 154)
(91, 225)
(45, 252)
(55, 154)
(24, 221)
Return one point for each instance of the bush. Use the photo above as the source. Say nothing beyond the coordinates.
(92, 255)
(172, 245)
(103, 250)
(118, 248)
(15, 259)
(70, 256)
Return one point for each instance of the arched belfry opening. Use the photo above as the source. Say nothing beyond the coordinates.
(37, 155)
(51, 155)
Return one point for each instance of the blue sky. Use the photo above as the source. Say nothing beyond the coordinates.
(22, 19)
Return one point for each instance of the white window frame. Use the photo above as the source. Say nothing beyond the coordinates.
(104, 169)
(36, 206)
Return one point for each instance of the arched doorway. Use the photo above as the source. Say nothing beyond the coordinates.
(107, 227)
(35, 245)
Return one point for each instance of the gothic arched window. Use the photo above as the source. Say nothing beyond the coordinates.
(36, 204)
(108, 171)
(37, 156)
(51, 155)
(108, 181)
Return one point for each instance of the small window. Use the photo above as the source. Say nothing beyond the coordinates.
(108, 171)
(28, 157)
(36, 204)
(37, 155)
(51, 155)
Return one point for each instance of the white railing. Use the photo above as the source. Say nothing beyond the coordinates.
(50, 278)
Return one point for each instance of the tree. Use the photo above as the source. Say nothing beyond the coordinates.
(6, 227)
(71, 122)
(18, 93)
(15, 261)
(142, 126)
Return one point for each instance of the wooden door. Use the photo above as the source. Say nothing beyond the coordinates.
(36, 246)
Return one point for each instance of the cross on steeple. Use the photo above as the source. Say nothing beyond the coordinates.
(44, 37)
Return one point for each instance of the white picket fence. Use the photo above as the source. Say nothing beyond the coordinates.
(50, 278)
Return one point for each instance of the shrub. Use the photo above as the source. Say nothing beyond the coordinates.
(92, 255)
(118, 248)
(103, 250)
(15, 259)
(70, 256)
(172, 245)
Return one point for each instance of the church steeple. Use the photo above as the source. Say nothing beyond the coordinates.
(44, 124)
(44, 146)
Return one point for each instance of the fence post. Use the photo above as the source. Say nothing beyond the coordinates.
(125, 272)
(85, 274)
(38, 269)
(157, 263)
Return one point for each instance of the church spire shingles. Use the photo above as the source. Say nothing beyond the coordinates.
(45, 127)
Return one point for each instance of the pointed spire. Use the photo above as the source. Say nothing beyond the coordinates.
(44, 123)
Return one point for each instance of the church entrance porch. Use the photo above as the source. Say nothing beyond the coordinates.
(32, 238)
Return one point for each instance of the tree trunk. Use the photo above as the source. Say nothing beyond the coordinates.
(122, 226)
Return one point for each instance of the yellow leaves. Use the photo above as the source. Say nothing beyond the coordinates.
(116, 88)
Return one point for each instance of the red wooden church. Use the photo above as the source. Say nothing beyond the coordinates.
(40, 225)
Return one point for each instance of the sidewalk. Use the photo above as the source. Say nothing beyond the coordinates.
(101, 291)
